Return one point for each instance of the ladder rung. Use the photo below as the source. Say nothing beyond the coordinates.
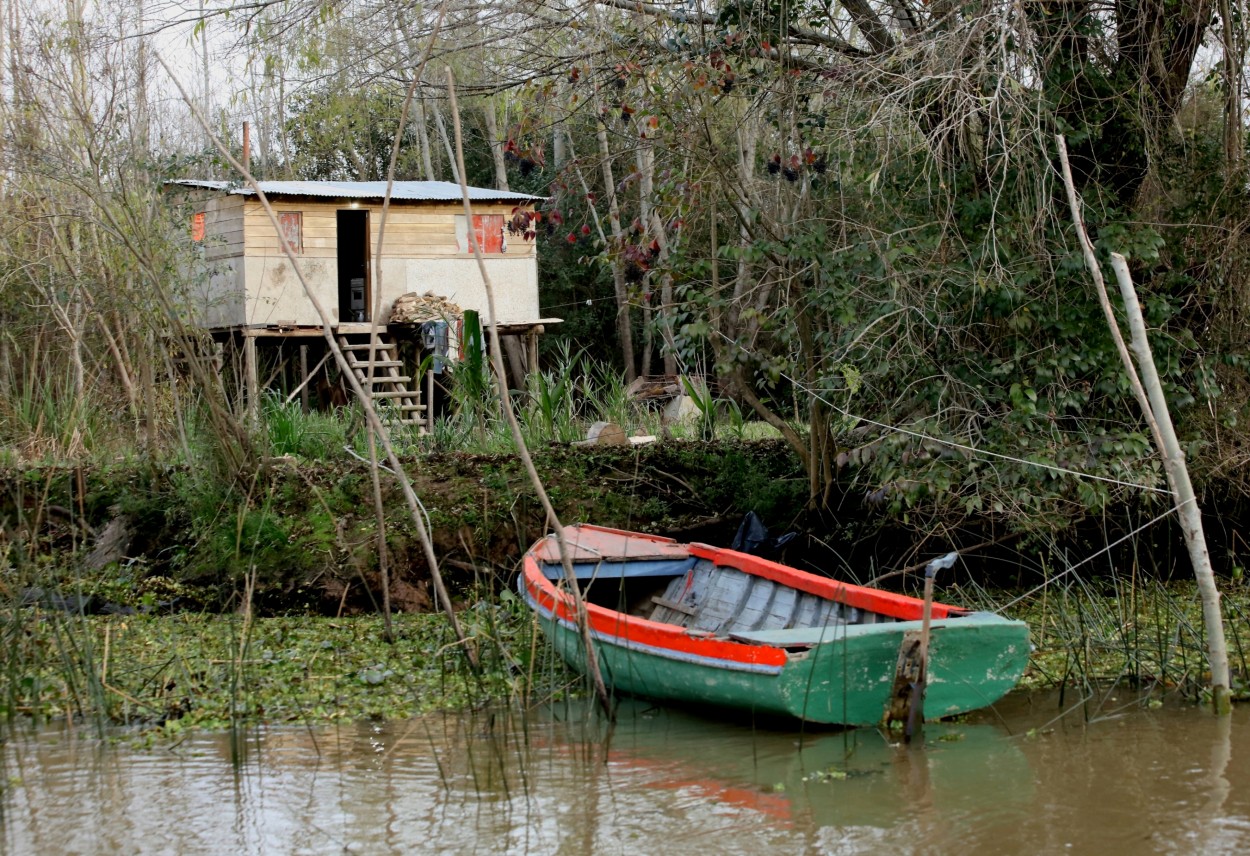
(384, 379)
(383, 349)
(397, 393)
(381, 364)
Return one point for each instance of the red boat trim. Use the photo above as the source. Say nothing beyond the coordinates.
(897, 606)
(643, 635)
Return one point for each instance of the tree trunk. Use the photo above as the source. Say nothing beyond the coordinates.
(496, 145)
(655, 230)
(1234, 125)
(624, 324)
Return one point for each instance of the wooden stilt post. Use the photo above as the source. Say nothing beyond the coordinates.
(429, 400)
(250, 376)
(303, 378)
(531, 342)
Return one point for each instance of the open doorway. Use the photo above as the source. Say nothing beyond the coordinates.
(353, 258)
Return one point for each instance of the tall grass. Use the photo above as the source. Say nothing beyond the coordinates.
(44, 420)
(315, 435)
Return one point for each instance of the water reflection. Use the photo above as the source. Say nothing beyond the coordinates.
(1103, 779)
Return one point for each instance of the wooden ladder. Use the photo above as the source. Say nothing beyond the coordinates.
(377, 369)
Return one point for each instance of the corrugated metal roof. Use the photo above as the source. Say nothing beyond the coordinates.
(425, 191)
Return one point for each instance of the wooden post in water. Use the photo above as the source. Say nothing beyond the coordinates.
(906, 704)
(915, 719)
(1186, 501)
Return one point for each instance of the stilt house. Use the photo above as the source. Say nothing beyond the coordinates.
(249, 296)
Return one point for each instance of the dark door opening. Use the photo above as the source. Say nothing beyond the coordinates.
(353, 235)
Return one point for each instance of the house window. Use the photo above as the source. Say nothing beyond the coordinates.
(291, 224)
(489, 229)
(197, 227)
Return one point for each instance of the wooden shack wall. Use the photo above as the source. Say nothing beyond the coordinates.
(217, 289)
(424, 250)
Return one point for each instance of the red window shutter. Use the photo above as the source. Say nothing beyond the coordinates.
(489, 229)
(292, 225)
(197, 227)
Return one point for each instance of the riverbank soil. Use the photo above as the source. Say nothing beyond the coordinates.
(299, 535)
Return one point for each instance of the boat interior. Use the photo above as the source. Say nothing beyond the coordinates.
(699, 595)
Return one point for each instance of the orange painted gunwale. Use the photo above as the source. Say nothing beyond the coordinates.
(642, 631)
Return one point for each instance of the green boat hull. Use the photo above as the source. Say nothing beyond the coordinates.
(844, 678)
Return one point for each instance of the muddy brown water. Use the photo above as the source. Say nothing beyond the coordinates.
(1111, 775)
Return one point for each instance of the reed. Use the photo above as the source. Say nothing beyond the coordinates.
(559, 405)
(1135, 631)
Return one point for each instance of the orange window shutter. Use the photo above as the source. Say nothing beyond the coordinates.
(197, 227)
(292, 227)
(489, 229)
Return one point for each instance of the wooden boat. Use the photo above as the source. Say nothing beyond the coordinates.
(709, 626)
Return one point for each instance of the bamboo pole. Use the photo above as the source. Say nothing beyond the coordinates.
(374, 338)
(1183, 489)
(1154, 408)
(583, 624)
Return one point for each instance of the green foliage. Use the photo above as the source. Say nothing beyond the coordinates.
(340, 132)
(703, 399)
(314, 435)
(552, 406)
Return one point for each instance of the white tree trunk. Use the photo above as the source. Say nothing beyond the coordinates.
(1183, 489)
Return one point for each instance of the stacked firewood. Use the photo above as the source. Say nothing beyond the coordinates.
(413, 308)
